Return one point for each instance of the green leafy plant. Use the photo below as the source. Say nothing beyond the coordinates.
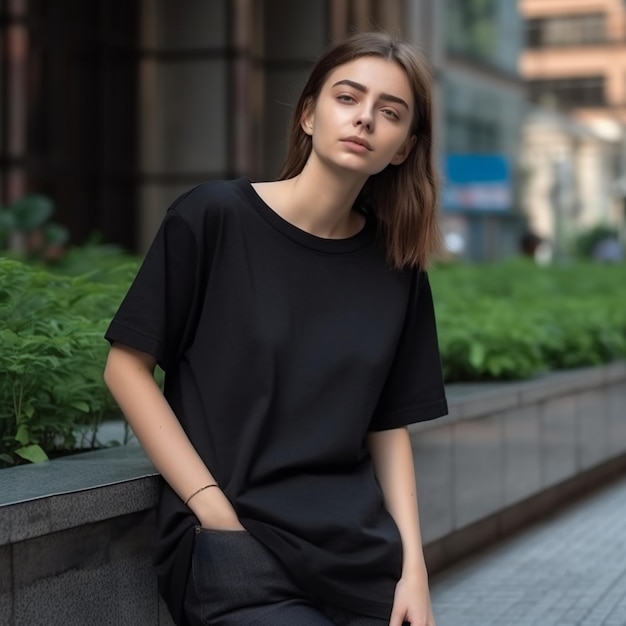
(51, 357)
(28, 219)
(586, 242)
(496, 322)
(515, 320)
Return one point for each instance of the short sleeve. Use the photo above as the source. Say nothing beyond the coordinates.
(156, 315)
(414, 389)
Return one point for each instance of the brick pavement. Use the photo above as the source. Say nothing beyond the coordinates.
(567, 570)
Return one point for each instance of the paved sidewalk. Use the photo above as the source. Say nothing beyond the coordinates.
(568, 570)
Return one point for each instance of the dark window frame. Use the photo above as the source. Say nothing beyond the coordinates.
(478, 135)
(78, 116)
(584, 29)
(569, 93)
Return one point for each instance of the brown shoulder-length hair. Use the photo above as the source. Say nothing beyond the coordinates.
(403, 197)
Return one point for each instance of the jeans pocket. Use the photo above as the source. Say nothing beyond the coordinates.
(231, 569)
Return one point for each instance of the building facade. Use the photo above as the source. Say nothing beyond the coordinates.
(114, 108)
(569, 178)
(575, 67)
(575, 58)
(483, 104)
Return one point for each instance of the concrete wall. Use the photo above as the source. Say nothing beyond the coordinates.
(75, 542)
(75, 532)
(510, 452)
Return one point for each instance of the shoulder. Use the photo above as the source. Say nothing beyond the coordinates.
(211, 201)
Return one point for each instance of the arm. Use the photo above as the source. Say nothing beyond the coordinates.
(129, 376)
(393, 464)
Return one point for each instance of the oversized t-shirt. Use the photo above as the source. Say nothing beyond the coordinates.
(281, 350)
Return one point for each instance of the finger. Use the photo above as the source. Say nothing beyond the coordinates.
(397, 618)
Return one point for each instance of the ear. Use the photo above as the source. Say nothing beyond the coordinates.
(404, 151)
(308, 117)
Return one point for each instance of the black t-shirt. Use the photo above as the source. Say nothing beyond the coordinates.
(281, 351)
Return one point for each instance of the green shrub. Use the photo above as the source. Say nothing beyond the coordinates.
(28, 218)
(100, 261)
(508, 321)
(586, 242)
(51, 356)
(516, 319)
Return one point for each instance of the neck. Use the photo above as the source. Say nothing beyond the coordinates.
(330, 215)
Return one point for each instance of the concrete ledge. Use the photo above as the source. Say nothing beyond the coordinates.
(80, 527)
(80, 489)
(462, 543)
(504, 443)
(75, 538)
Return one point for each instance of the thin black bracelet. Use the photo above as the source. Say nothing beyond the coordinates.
(195, 493)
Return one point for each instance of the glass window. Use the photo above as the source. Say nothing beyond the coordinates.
(568, 30)
(569, 93)
(471, 134)
(472, 27)
(487, 31)
(71, 119)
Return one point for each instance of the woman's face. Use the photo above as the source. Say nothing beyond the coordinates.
(362, 118)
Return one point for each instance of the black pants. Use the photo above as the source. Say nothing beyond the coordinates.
(236, 581)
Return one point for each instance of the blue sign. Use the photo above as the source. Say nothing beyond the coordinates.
(477, 181)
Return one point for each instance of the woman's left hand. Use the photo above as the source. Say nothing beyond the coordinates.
(411, 603)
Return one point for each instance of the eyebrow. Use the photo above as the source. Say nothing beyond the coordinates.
(363, 89)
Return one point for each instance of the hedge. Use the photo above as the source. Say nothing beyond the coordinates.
(516, 320)
(51, 357)
(507, 321)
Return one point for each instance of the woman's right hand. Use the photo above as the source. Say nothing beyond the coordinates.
(214, 510)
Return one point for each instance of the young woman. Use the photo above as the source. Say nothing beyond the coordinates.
(295, 324)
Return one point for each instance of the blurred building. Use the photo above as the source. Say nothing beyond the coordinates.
(115, 108)
(575, 58)
(575, 67)
(568, 173)
(484, 104)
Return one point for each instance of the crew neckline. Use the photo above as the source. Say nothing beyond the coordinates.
(302, 237)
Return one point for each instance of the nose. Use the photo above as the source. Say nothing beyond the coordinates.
(365, 118)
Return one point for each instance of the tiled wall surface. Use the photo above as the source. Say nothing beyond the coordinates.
(94, 574)
(75, 533)
(504, 443)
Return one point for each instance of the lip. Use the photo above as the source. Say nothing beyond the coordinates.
(357, 140)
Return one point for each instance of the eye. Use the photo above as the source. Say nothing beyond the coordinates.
(344, 97)
(391, 114)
